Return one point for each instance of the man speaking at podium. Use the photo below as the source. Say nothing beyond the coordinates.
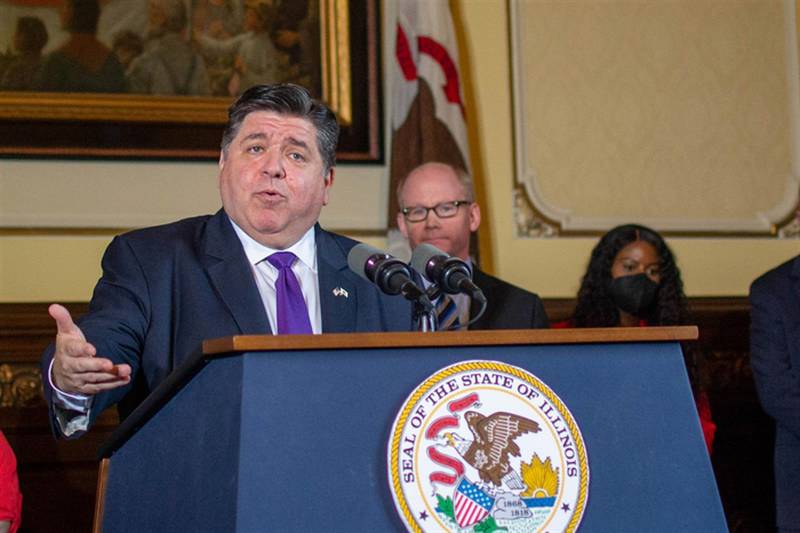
(260, 265)
(438, 207)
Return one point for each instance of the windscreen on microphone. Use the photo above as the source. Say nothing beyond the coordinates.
(362, 257)
(451, 274)
(422, 255)
(445, 271)
(391, 275)
(378, 267)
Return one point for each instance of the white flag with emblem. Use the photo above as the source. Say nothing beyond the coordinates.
(428, 121)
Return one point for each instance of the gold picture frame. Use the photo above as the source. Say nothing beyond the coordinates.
(137, 126)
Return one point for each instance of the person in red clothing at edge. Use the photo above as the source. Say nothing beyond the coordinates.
(10, 497)
(632, 280)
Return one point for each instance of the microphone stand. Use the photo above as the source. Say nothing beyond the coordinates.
(425, 317)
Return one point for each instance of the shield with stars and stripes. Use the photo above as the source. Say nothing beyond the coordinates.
(471, 504)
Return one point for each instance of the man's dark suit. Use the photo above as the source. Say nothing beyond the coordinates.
(165, 289)
(508, 307)
(775, 358)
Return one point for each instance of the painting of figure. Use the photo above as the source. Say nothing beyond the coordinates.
(131, 78)
(30, 36)
(158, 47)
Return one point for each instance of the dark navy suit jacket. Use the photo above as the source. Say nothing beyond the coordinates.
(775, 358)
(167, 288)
(508, 307)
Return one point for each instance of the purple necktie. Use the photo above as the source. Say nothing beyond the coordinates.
(291, 307)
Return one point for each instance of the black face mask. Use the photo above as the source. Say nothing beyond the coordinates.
(634, 294)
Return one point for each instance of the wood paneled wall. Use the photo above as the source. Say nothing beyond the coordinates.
(58, 478)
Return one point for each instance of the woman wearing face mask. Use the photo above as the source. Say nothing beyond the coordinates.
(632, 280)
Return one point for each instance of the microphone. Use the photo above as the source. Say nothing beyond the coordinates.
(451, 274)
(391, 275)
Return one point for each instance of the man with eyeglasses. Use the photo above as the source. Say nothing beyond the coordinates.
(437, 206)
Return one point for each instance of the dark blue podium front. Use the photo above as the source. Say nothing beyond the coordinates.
(288, 439)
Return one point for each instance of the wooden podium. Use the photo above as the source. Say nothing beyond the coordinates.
(265, 433)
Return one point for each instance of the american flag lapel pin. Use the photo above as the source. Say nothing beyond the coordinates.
(338, 291)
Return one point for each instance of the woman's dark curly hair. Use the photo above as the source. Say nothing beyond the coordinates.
(596, 308)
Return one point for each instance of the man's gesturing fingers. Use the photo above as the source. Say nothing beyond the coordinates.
(75, 367)
(89, 375)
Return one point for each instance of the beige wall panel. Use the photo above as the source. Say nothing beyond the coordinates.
(679, 114)
(50, 268)
(81, 194)
(119, 194)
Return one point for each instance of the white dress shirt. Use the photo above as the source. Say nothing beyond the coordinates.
(305, 269)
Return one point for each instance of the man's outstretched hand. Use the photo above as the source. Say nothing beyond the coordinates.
(76, 367)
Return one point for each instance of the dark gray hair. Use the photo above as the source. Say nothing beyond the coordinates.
(286, 99)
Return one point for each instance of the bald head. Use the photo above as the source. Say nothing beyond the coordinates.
(430, 185)
(436, 170)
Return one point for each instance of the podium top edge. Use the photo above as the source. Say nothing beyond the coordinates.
(353, 341)
(248, 343)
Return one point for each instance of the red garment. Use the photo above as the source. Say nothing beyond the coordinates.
(10, 496)
(701, 398)
(708, 425)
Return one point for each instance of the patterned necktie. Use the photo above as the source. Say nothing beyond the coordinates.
(447, 311)
(291, 307)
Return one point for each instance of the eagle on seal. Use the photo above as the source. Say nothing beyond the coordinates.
(494, 437)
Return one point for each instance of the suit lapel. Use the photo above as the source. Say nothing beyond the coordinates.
(337, 293)
(231, 275)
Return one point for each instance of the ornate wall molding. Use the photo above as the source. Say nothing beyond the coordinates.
(20, 385)
(687, 120)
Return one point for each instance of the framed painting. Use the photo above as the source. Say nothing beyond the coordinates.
(153, 79)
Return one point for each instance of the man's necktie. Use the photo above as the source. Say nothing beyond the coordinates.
(447, 311)
(291, 307)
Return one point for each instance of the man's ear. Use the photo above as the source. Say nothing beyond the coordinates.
(221, 173)
(328, 184)
(401, 224)
(474, 216)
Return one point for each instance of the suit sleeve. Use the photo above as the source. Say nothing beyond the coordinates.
(777, 381)
(117, 320)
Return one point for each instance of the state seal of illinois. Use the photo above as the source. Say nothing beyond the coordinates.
(482, 446)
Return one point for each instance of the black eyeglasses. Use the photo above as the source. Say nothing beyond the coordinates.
(418, 213)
